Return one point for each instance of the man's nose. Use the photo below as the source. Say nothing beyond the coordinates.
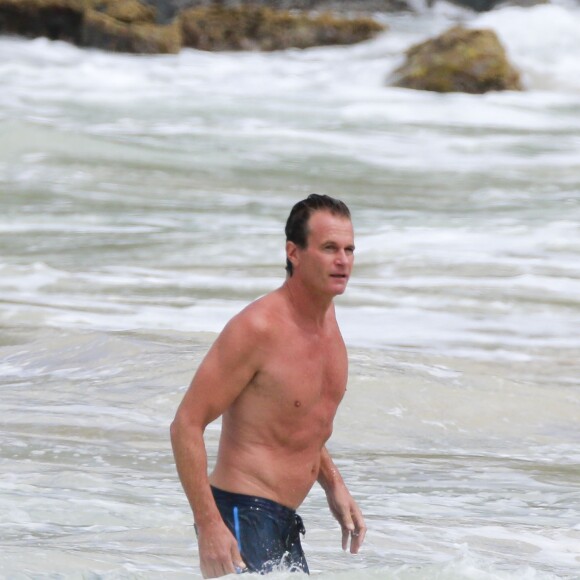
(341, 257)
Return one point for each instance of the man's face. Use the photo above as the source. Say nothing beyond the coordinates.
(326, 263)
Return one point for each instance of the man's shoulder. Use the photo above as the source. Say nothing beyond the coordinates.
(262, 316)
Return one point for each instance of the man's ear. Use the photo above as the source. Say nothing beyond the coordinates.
(292, 253)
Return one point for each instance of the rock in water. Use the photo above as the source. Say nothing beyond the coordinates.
(132, 32)
(460, 60)
(127, 11)
(120, 25)
(133, 26)
(260, 28)
(55, 19)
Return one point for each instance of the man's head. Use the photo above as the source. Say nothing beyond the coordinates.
(297, 223)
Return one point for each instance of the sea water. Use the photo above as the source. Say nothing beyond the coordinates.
(143, 200)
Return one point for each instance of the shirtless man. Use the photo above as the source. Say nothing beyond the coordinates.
(276, 374)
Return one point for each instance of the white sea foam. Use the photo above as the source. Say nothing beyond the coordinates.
(544, 41)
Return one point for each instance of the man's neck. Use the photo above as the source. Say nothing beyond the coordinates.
(310, 309)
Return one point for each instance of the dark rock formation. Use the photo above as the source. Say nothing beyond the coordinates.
(259, 28)
(121, 25)
(460, 60)
(55, 19)
(133, 26)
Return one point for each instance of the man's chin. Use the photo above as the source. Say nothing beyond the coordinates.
(338, 290)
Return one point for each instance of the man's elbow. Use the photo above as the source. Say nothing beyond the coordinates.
(177, 429)
(182, 429)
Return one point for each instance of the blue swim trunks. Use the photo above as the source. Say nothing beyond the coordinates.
(268, 533)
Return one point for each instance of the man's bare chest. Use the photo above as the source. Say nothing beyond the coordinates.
(303, 375)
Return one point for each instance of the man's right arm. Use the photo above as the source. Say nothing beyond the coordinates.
(224, 373)
(218, 550)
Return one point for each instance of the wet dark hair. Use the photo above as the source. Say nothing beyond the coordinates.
(297, 223)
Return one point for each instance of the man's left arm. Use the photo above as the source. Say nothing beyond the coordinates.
(341, 503)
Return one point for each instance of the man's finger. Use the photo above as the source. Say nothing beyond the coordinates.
(358, 537)
(345, 537)
(358, 534)
(241, 567)
(237, 560)
(347, 528)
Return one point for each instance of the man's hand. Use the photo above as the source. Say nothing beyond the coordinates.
(218, 551)
(348, 515)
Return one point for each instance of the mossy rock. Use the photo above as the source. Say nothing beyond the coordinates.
(54, 19)
(102, 31)
(117, 25)
(460, 60)
(129, 26)
(260, 28)
(127, 11)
